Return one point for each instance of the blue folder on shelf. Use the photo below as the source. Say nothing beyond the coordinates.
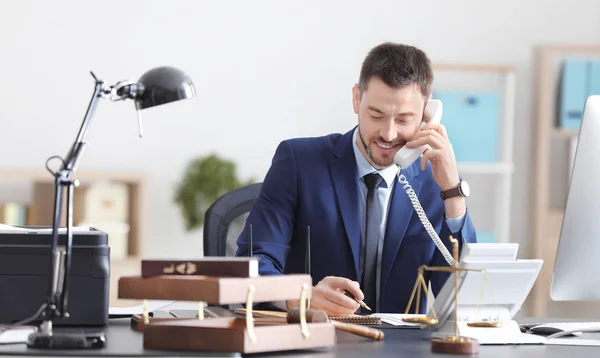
(580, 78)
(472, 121)
(573, 92)
(595, 78)
(485, 236)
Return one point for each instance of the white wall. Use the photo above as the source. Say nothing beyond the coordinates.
(264, 71)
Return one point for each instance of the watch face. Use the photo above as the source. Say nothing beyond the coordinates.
(464, 188)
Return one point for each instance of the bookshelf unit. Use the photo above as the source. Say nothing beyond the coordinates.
(551, 177)
(497, 214)
(42, 185)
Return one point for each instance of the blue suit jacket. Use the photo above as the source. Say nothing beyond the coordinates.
(313, 182)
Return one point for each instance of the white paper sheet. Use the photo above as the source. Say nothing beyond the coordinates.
(573, 342)
(61, 230)
(153, 305)
(395, 319)
(4, 227)
(15, 334)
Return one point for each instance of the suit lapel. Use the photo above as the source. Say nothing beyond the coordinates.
(400, 212)
(344, 175)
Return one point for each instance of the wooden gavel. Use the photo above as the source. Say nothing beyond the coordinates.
(315, 316)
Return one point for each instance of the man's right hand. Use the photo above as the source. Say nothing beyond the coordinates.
(328, 295)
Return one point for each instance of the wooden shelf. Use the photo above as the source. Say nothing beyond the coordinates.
(564, 133)
(486, 168)
(43, 175)
(547, 221)
(571, 48)
(43, 198)
(119, 268)
(43, 192)
(500, 207)
(472, 67)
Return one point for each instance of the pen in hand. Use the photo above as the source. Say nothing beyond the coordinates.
(361, 303)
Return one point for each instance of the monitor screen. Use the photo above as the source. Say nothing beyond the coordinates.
(577, 267)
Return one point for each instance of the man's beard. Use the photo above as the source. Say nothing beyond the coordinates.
(370, 153)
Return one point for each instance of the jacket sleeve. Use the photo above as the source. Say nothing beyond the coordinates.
(272, 215)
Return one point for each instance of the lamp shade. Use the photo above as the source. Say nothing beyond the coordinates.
(163, 85)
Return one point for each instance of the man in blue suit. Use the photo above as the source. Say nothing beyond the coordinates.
(365, 235)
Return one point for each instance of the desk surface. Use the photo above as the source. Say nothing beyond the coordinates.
(122, 341)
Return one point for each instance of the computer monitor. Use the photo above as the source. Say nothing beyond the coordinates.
(577, 267)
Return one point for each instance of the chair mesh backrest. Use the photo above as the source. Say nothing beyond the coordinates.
(233, 232)
(225, 220)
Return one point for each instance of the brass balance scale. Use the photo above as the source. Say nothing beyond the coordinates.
(451, 344)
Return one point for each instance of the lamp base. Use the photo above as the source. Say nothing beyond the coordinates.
(58, 340)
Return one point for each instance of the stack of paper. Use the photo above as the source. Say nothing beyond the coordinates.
(15, 334)
(396, 319)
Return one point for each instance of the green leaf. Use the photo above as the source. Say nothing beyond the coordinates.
(205, 180)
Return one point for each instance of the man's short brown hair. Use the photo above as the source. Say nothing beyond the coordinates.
(398, 66)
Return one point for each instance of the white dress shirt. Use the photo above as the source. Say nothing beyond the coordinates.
(384, 191)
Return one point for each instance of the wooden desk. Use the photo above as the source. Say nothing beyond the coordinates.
(123, 341)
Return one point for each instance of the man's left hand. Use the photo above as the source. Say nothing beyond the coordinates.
(443, 164)
(440, 154)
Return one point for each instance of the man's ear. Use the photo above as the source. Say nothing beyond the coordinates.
(426, 115)
(355, 98)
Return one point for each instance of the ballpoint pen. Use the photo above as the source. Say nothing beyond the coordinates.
(361, 303)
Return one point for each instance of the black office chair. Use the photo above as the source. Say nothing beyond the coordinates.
(225, 220)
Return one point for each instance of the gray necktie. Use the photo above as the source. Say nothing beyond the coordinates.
(371, 240)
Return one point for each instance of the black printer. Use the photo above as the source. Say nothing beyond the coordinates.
(25, 275)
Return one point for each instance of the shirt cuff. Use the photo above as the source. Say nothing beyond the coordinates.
(456, 224)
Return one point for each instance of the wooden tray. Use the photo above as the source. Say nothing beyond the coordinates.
(214, 290)
(137, 321)
(232, 335)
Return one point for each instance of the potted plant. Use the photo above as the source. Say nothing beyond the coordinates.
(204, 181)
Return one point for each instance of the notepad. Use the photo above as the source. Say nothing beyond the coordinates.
(354, 319)
(357, 319)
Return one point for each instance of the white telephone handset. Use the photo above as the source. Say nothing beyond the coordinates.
(404, 158)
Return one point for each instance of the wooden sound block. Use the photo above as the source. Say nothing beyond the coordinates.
(214, 290)
(454, 345)
(232, 335)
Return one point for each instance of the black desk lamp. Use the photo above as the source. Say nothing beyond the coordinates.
(158, 86)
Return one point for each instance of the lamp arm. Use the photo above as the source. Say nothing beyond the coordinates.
(71, 160)
(60, 262)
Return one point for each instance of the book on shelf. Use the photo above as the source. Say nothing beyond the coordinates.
(13, 213)
(207, 266)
